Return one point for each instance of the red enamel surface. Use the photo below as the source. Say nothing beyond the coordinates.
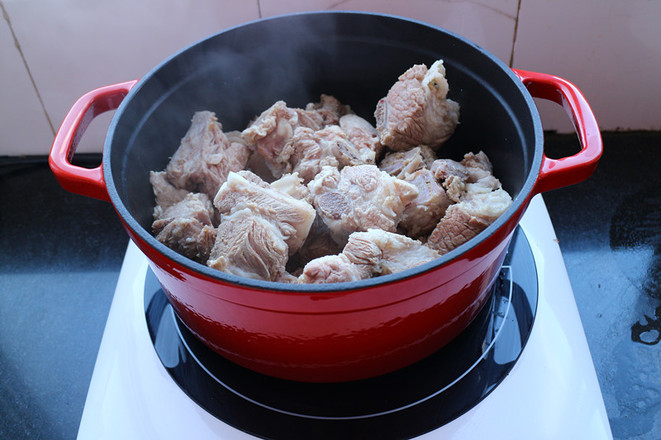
(79, 180)
(335, 336)
(558, 173)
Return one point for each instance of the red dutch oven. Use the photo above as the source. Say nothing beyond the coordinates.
(344, 331)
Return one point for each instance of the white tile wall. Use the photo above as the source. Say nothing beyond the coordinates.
(73, 46)
(23, 123)
(609, 48)
(489, 23)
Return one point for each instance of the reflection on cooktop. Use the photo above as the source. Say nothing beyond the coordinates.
(635, 236)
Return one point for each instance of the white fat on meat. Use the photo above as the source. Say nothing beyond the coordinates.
(416, 110)
(205, 156)
(359, 198)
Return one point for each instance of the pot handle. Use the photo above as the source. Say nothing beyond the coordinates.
(79, 180)
(558, 173)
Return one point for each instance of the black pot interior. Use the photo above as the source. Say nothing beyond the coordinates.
(354, 56)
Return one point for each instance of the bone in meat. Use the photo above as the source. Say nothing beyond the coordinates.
(480, 196)
(401, 163)
(359, 198)
(473, 174)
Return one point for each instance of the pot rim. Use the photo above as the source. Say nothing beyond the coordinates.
(518, 203)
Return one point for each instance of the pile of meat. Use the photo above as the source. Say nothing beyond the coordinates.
(319, 195)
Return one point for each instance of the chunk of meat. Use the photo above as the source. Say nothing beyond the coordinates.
(466, 219)
(333, 269)
(401, 163)
(271, 131)
(386, 252)
(309, 151)
(472, 175)
(166, 193)
(250, 246)
(480, 196)
(361, 134)
(205, 156)
(359, 198)
(292, 217)
(330, 109)
(424, 212)
(186, 226)
(416, 110)
(374, 252)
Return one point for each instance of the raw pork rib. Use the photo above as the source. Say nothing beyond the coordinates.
(466, 219)
(359, 198)
(330, 109)
(473, 174)
(386, 252)
(374, 252)
(361, 133)
(333, 269)
(308, 151)
(273, 129)
(182, 220)
(423, 213)
(416, 110)
(481, 200)
(250, 246)
(205, 156)
(401, 163)
(292, 217)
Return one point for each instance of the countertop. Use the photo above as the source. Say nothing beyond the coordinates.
(61, 255)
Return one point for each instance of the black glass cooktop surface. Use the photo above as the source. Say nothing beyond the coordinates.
(402, 404)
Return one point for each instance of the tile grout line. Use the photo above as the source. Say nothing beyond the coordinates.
(5, 15)
(516, 30)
